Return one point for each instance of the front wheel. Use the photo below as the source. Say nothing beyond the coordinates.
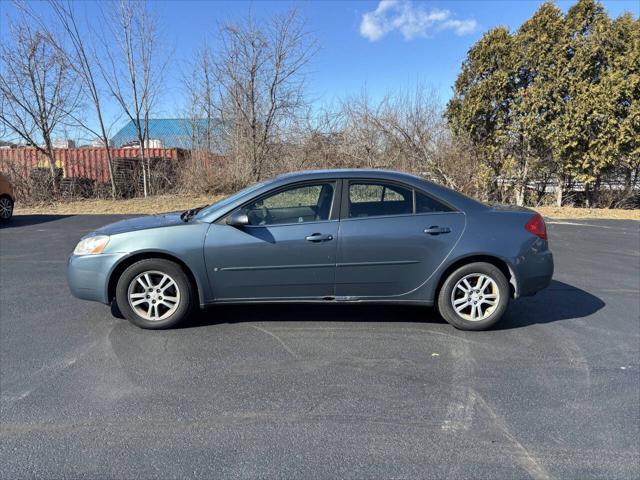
(154, 293)
(474, 297)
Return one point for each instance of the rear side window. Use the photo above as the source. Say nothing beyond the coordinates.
(369, 199)
(426, 204)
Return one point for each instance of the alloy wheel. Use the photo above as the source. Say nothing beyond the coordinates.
(475, 297)
(153, 295)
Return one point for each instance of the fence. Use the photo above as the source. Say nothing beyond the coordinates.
(84, 172)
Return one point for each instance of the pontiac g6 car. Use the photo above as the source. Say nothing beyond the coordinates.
(320, 236)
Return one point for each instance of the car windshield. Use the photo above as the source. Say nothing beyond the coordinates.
(228, 200)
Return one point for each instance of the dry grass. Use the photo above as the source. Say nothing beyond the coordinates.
(154, 204)
(167, 203)
(596, 213)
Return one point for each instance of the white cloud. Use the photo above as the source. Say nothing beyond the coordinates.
(460, 27)
(411, 21)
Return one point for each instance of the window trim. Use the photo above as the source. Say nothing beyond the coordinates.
(334, 212)
(345, 200)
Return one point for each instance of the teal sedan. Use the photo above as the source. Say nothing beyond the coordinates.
(320, 236)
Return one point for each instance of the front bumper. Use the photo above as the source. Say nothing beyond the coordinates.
(88, 275)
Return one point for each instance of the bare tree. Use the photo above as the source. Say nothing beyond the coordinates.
(38, 90)
(204, 170)
(404, 131)
(413, 125)
(132, 69)
(363, 144)
(80, 56)
(201, 96)
(260, 77)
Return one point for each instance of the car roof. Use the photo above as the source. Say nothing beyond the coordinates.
(457, 199)
(348, 173)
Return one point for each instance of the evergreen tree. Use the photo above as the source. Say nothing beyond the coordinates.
(558, 97)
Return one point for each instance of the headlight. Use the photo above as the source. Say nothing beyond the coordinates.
(91, 245)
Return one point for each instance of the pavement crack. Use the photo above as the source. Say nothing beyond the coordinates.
(278, 339)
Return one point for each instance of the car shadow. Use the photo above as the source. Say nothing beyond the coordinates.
(27, 220)
(310, 312)
(559, 301)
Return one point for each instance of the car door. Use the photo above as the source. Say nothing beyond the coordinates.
(288, 250)
(391, 238)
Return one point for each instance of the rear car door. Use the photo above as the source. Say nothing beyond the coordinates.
(391, 239)
(288, 251)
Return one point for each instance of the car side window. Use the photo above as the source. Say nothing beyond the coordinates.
(299, 204)
(426, 204)
(374, 199)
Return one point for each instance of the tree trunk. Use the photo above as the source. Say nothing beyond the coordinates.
(587, 195)
(559, 188)
(520, 195)
(145, 179)
(114, 193)
(142, 157)
(105, 140)
(627, 180)
(54, 174)
(521, 186)
(595, 199)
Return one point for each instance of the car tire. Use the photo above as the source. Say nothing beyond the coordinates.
(474, 297)
(6, 208)
(155, 293)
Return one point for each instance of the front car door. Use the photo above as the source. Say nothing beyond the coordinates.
(288, 250)
(392, 238)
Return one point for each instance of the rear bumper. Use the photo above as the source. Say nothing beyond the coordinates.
(534, 272)
(88, 276)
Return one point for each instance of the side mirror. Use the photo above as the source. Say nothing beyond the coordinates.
(238, 219)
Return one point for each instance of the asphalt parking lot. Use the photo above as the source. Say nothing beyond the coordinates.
(322, 391)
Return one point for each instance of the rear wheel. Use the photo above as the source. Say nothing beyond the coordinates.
(6, 207)
(474, 297)
(155, 294)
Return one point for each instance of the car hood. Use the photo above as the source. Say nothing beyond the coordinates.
(141, 223)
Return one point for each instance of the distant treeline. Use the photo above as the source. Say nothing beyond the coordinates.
(548, 113)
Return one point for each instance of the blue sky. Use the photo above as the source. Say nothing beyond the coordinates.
(348, 61)
(362, 43)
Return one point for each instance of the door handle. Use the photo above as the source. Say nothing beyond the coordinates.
(319, 237)
(435, 230)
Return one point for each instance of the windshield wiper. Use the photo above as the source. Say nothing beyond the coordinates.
(188, 214)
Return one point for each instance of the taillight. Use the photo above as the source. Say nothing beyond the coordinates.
(537, 226)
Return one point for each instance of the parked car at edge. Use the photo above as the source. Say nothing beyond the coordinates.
(6, 198)
(320, 236)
